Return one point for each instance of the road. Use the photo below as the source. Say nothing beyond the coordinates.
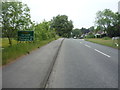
(30, 71)
(82, 64)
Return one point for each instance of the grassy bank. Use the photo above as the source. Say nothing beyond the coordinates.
(108, 42)
(10, 53)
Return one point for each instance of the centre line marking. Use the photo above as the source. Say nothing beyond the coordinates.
(87, 45)
(102, 53)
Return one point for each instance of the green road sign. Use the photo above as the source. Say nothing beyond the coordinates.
(25, 35)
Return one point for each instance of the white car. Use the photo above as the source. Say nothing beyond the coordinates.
(75, 37)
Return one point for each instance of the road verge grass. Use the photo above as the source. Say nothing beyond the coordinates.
(10, 53)
(107, 42)
(5, 42)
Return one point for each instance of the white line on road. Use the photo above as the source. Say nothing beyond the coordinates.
(87, 45)
(102, 53)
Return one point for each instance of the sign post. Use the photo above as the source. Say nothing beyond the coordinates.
(25, 35)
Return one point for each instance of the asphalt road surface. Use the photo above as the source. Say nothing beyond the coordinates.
(30, 71)
(82, 64)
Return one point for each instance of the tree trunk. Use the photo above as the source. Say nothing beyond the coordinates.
(10, 41)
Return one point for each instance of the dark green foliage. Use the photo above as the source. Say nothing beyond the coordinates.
(76, 33)
(106, 38)
(114, 30)
(43, 31)
(62, 25)
(90, 35)
(108, 21)
(84, 30)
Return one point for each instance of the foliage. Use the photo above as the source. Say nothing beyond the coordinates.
(105, 18)
(114, 31)
(90, 35)
(108, 21)
(15, 16)
(98, 28)
(84, 30)
(43, 31)
(62, 25)
(106, 38)
(43, 35)
(76, 33)
(5, 42)
(91, 29)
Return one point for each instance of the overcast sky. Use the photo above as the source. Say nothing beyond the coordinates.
(81, 12)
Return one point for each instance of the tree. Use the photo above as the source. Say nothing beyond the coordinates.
(91, 29)
(107, 19)
(84, 30)
(90, 35)
(76, 33)
(62, 25)
(98, 28)
(43, 31)
(115, 29)
(15, 16)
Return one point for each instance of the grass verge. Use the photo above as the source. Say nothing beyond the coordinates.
(108, 42)
(5, 42)
(10, 53)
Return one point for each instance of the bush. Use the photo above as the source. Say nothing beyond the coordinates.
(106, 38)
(90, 36)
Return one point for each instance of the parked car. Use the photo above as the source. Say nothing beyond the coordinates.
(81, 38)
(75, 37)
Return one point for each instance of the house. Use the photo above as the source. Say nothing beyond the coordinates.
(100, 34)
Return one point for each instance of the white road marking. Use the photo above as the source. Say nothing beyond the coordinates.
(87, 45)
(102, 53)
(80, 42)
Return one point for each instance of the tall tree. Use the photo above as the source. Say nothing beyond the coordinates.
(98, 28)
(91, 29)
(109, 22)
(115, 29)
(106, 19)
(15, 16)
(62, 25)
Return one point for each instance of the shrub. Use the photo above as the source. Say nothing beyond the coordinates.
(106, 38)
(90, 36)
